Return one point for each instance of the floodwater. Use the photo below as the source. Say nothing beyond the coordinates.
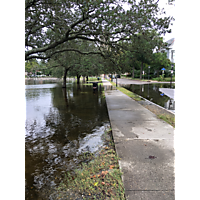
(152, 93)
(60, 125)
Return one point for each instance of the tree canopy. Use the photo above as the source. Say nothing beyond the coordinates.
(51, 24)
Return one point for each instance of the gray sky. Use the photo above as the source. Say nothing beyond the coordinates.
(170, 11)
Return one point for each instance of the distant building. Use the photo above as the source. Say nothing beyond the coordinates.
(170, 50)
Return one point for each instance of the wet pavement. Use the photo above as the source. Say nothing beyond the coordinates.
(145, 145)
(61, 124)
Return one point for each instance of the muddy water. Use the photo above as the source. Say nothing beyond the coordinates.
(152, 93)
(60, 125)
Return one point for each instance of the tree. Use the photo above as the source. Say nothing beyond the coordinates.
(51, 23)
(31, 66)
(143, 45)
(87, 66)
(139, 50)
(159, 61)
(63, 62)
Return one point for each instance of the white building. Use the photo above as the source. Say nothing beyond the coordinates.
(170, 49)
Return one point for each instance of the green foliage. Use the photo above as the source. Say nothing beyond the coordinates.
(138, 51)
(57, 72)
(31, 66)
(50, 24)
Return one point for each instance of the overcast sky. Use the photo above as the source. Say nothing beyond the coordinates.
(170, 11)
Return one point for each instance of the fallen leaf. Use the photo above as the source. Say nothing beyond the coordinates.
(95, 184)
(111, 166)
(152, 157)
(103, 183)
(104, 173)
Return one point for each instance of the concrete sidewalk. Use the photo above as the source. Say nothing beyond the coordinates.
(145, 145)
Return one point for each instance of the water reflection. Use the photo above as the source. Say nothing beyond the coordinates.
(152, 93)
(170, 104)
(60, 124)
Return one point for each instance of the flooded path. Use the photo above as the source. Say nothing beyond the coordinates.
(60, 125)
(154, 92)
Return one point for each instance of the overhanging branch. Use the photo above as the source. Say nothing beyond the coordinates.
(64, 50)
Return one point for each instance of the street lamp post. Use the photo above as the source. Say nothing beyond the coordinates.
(148, 73)
(172, 65)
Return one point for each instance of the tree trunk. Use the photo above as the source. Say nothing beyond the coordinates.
(141, 70)
(86, 78)
(83, 79)
(65, 96)
(78, 78)
(133, 74)
(64, 77)
(157, 73)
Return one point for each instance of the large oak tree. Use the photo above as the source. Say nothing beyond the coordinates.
(51, 23)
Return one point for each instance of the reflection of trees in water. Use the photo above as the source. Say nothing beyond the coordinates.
(150, 92)
(52, 145)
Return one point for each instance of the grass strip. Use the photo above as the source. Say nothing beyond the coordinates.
(127, 92)
(170, 119)
(97, 179)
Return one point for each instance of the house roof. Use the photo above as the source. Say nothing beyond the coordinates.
(170, 42)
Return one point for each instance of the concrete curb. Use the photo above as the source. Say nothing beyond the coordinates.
(156, 105)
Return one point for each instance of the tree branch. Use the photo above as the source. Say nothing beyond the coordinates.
(29, 4)
(54, 44)
(63, 50)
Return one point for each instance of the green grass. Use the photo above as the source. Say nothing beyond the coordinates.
(165, 79)
(93, 79)
(103, 94)
(127, 92)
(98, 179)
(130, 94)
(169, 119)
